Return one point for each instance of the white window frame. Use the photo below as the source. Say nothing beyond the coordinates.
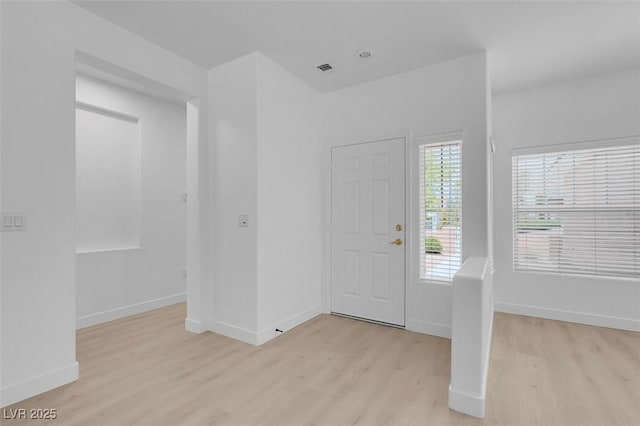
(433, 140)
(573, 203)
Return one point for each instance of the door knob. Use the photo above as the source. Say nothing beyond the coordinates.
(397, 242)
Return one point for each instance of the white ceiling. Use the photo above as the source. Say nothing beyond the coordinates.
(531, 43)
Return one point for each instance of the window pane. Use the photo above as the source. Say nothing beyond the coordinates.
(578, 211)
(440, 210)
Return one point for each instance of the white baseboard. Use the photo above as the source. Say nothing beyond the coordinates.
(196, 326)
(467, 404)
(36, 385)
(125, 311)
(258, 338)
(235, 332)
(431, 328)
(287, 324)
(569, 316)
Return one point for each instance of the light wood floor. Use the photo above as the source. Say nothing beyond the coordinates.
(147, 370)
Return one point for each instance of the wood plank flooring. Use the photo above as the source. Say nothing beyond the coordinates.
(147, 370)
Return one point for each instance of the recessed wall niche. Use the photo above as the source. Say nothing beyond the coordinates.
(107, 179)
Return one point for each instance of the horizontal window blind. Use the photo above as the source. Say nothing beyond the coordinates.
(440, 210)
(578, 211)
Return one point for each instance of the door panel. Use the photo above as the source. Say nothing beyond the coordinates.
(367, 204)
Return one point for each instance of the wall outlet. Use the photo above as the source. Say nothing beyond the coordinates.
(243, 220)
(183, 272)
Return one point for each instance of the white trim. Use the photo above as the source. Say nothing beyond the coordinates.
(106, 111)
(263, 336)
(591, 204)
(287, 324)
(468, 404)
(108, 250)
(577, 146)
(234, 332)
(412, 235)
(114, 73)
(196, 326)
(571, 275)
(454, 148)
(125, 311)
(445, 137)
(36, 385)
(431, 328)
(628, 324)
(409, 240)
(327, 226)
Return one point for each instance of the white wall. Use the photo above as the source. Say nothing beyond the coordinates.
(289, 200)
(234, 142)
(1, 209)
(442, 98)
(271, 143)
(112, 281)
(39, 44)
(266, 163)
(107, 179)
(603, 107)
(472, 330)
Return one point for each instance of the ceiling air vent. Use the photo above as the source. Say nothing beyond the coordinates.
(325, 67)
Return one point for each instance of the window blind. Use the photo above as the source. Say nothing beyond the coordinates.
(440, 210)
(578, 211)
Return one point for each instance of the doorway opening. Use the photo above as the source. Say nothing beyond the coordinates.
(131, 196)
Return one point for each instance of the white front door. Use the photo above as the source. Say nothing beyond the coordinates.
(368, 230)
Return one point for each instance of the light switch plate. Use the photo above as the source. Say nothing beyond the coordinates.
(243, 220)
(13, 222)
(7, 221)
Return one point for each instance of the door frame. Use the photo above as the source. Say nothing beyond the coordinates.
(196, 184)
(408, 238)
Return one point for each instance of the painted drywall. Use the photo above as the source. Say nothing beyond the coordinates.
(603, 107)
(107, 179)
(117, 278)
(266, 165)
(1, 208)
(39, 46)
(289, 222)
(199, 270)
(442, 98)
(472, 328)
(234, 142)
